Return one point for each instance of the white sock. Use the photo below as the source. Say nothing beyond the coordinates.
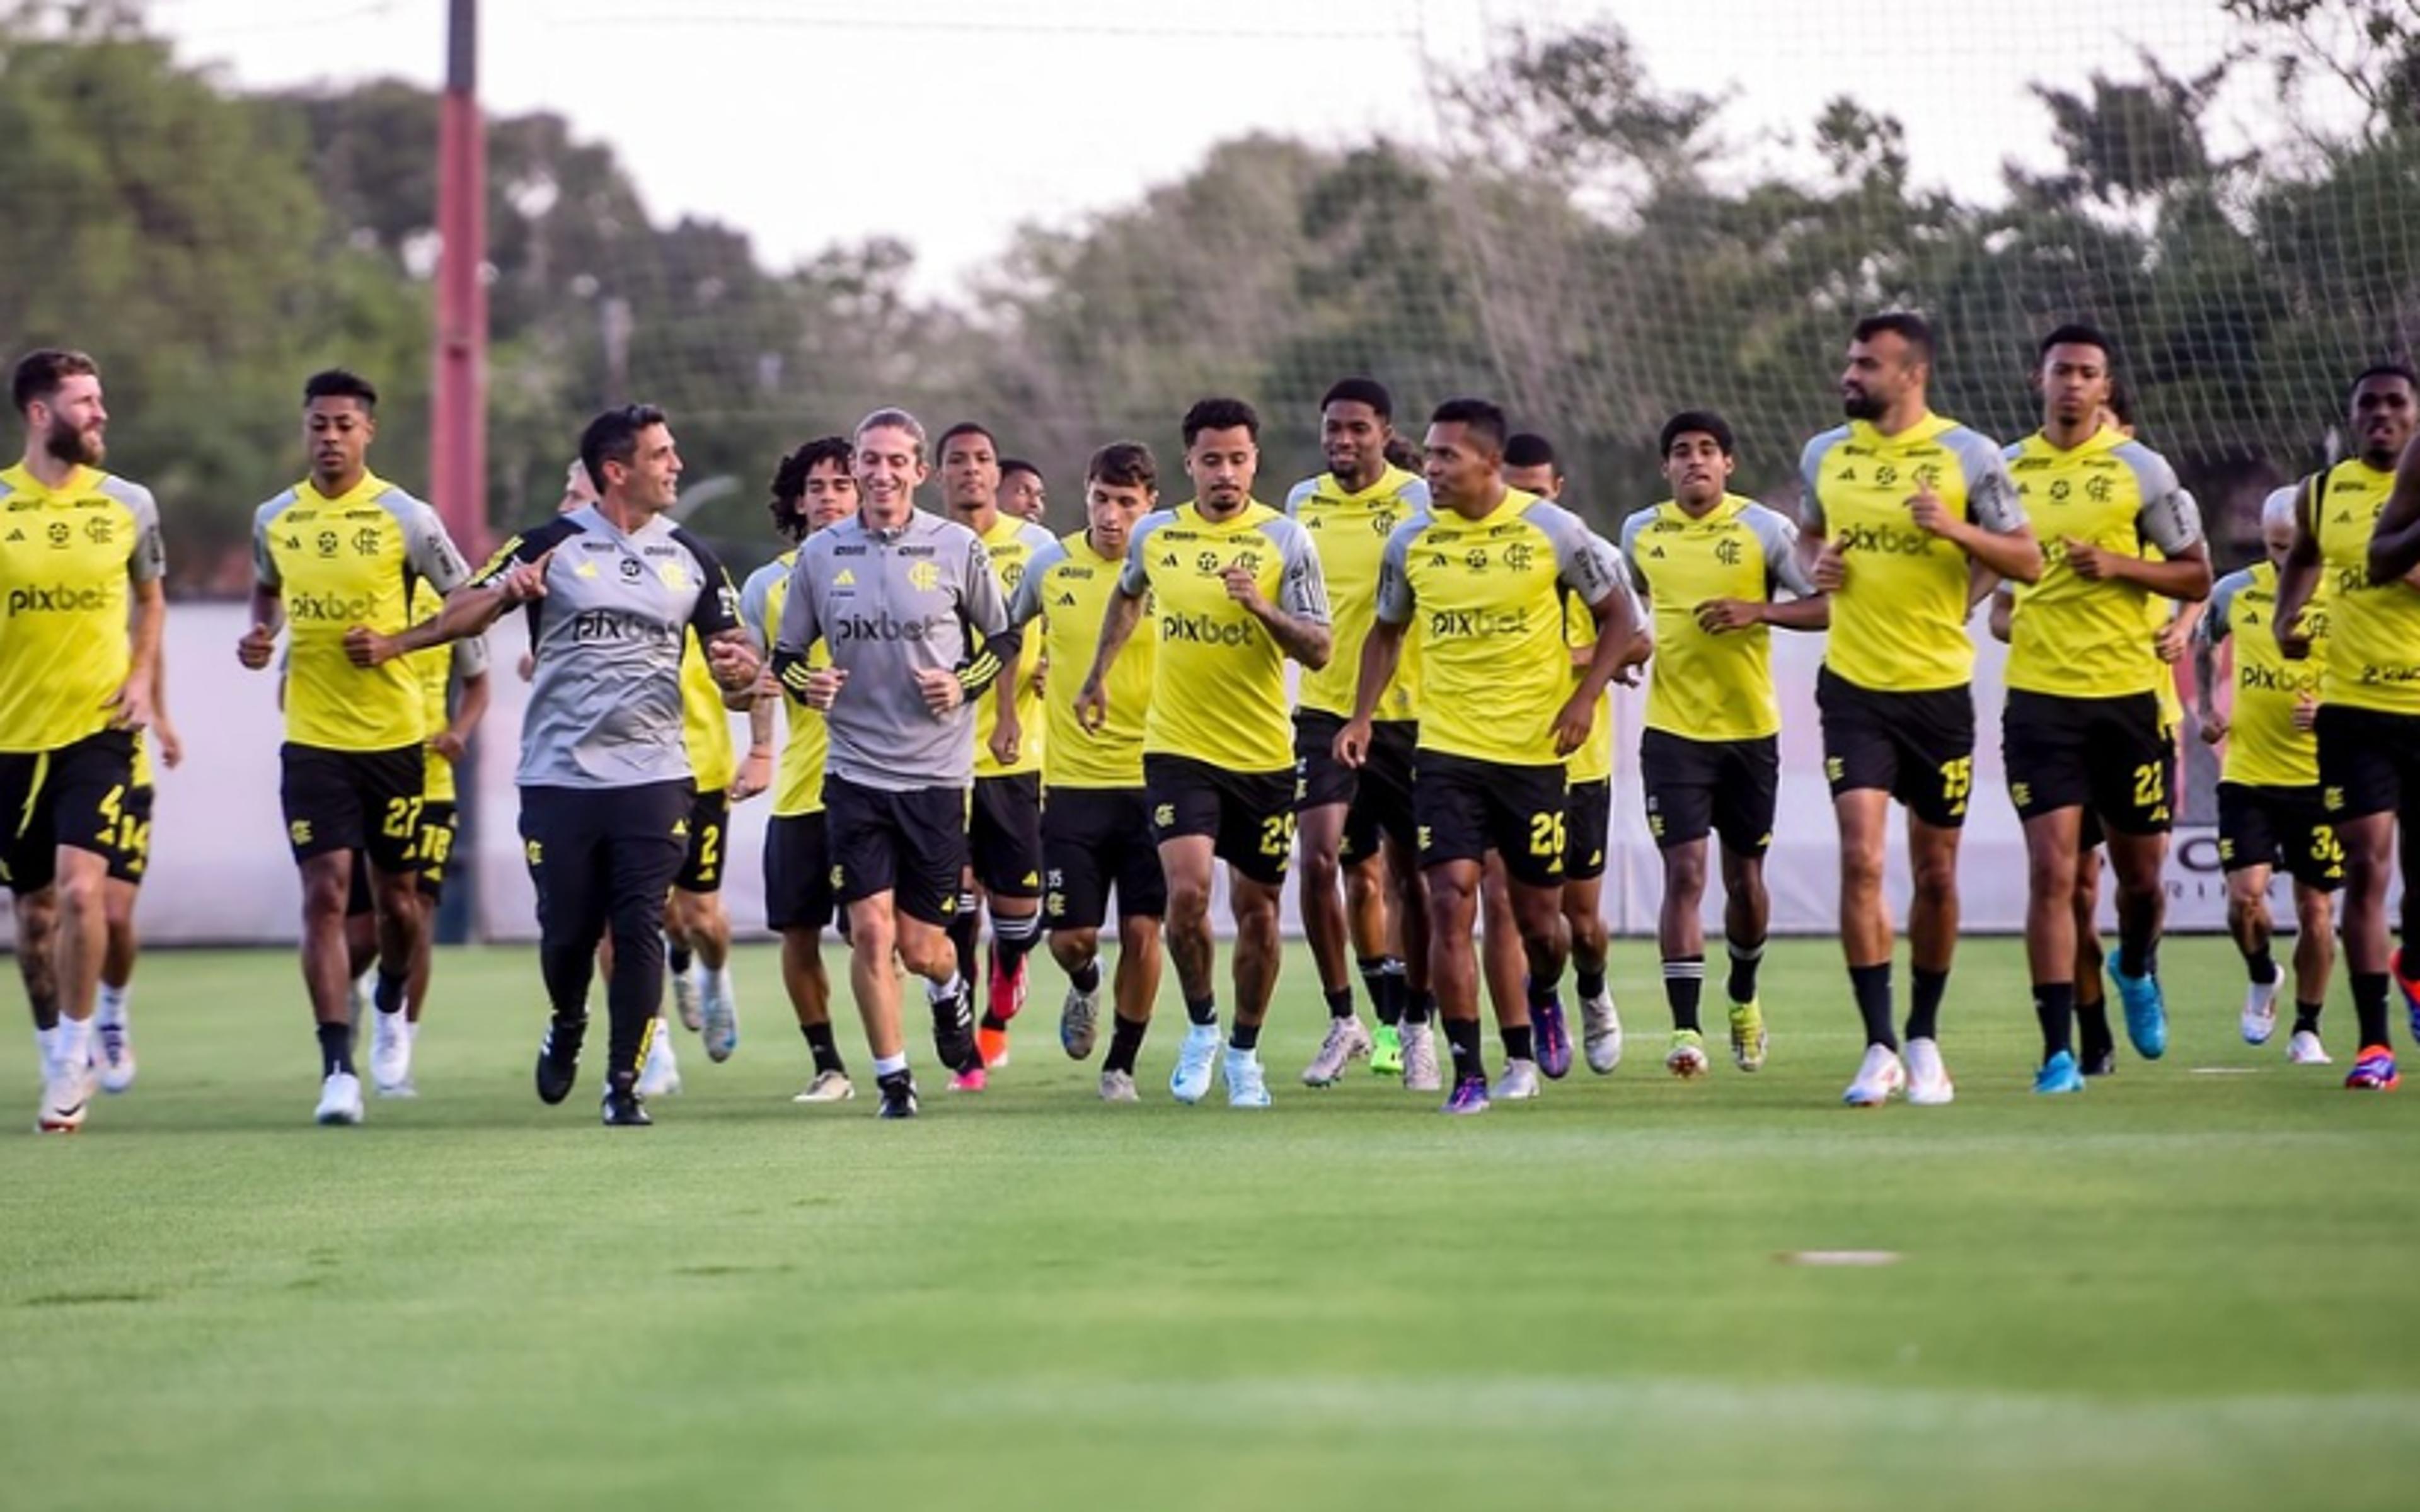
(113, 1003)
(945, 991)
(47, 1041)
(74, 1042)
(722, 981)
(890, 1065)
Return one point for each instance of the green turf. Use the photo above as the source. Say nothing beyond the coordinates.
(2178, 1291)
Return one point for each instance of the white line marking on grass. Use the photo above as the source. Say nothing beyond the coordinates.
(1838, 1257)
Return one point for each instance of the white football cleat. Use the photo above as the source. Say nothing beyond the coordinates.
(391, 1054)
(687, 994)
(67, 1094)
(1928, 1079)
(828, 1086)
(1600, 1033)
(1248, 1086)
(2261, 1011)
(1197, 1056)
(113, 1050)
(1878, 1077)
(1118, 1086)
(2305, 1049)
(1519, 1084)
(1420, 1073)
(718, 1012)
(1347, 1042)
(340, 1100)
(660, 1074)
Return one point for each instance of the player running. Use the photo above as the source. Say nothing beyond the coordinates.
(80, 576)
(909, 610)
(1004, 823)
(1713, 565)
(2269, 809)
(812, 490)
(2363, 553)
(1097, 831)
(613, 590)
(1899, 505)
(342, 550)
(1357, 826)
(1235, 590)
(2082, 726)
(1481, 572)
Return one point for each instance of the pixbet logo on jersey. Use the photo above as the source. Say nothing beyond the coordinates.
(885, 627)
(60, 599)
(323, 608)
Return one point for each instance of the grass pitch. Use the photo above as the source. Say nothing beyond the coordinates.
(2190, 1286)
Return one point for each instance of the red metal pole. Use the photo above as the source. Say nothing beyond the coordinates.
(458, 429)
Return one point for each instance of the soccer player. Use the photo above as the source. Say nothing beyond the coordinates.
(911, 612)
(1343, 814)
(1004, 827)
(697, 928)
(2082, 727)
(1096, 828)
(80, 569)
(812, 490)
(341, 550)
(2268, 808)
(1483, 571)
(1531, 466)
(2369, 721)
(129, 857)
(1713, 565)
(454, 693)
(1235, 588)
(613, 590)
(1900, 505)
(1020, 490)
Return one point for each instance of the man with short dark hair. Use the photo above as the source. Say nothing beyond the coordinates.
(80, 569)
(1236, 590)
(1481, 572)
(1357, 825)
(1899, 505)
(1096, 832)
(1021, 494)
(2355, 535)
(2082, 722)
(340, 553)
(613, 590)
(910, 611)
(1713, 567)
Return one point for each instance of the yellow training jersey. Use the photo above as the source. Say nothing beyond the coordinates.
(2157, 613)
(2068, 636)
(1484, 598)
(798, 772)
(66, 557)
(1703, 685)
(1899, 623)
(1593, 761)
(705, 724)
(1219, 695)
(1013, 544)
(2373, 630)
(439, 669)
(1067, 586)
(1350, 530)
(2263, 748)
(336, 563)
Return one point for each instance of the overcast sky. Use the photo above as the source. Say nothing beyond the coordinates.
(950, 121)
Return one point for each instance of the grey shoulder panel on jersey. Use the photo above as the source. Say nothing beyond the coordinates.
(1414, 492)
(2217, 623)
(427, 548)
(1775, 532)
(1394, 599)
(757, 602)
(1992, 499)
(2170, 517)
(1302, 584)
(149, 558)
(1134, 578)
(1026, 603)
(1585, 560)
(264, 565)
(1810, 465)
(1301, 494)
(1631, 524)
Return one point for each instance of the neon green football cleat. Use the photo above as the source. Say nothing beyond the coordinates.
(1386, 1051)
(1747, 1037)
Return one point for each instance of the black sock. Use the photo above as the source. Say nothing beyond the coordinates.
(1543, 994)
(1588, 981)
(2138, 958)
(335, 1049)
(2263, 965)
(1086, 977)
(1685, 982)
(1419, 1007)
(387, 995)
(1745, 961)
(1126, 1042)
(1520, 1043)
(1012, 939)
(1924, 1003)
(2306, 1017)
(1461, 1035)
(677, 958)
(1202, 1010)
(1339, 1003)
(1374, 981)
(1244, 1036)
(993, 1021)
(2055, 1006)
(1393, 987)
(2094, 1036)
(1872, 985)
(821, 1045)
(2369, 989)
(965, 932)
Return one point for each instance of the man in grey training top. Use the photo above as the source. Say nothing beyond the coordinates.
(914, 622)
(613, 588)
